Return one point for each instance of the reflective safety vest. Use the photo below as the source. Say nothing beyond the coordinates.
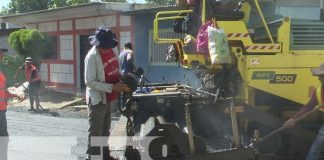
(3, 97)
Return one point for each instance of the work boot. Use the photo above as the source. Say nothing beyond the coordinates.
(37, 110)
(106, 154)
(31, 109)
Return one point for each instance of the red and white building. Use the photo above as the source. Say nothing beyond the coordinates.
(69, 27)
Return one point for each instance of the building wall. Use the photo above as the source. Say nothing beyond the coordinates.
(4, 43)
(4, 35)
(66, 71)
(156, 73)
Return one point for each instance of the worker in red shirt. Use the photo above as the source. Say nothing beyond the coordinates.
(4, 95)
(33, 77)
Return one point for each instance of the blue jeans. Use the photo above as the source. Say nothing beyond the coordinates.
(317, 147)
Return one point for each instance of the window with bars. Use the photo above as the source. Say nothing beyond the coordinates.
(157, 51)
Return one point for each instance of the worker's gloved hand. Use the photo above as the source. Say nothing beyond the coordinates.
(126, 90)
(119, 87)
(289, 123)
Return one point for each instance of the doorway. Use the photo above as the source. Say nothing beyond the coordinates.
(85, 46)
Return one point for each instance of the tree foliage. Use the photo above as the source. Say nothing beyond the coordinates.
(121, 1)
(21, 6)
(4, 11)
(28, 43)
(64, 3)
(162, 2)
(77, 2)
(9, 66)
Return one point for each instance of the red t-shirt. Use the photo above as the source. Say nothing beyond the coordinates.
(4, 94)
(111, 68)
(28, 72)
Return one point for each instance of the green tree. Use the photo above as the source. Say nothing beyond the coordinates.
(64, 3)
(9, 66)
(57, 3)
(122, 1)
(162, 2)
(76, 2)
(21, 6)
(28, 43)
(4, 11)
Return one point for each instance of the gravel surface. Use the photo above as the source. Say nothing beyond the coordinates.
(35, 136)
(60, 133)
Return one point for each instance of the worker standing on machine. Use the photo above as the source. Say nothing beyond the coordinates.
(316, 99)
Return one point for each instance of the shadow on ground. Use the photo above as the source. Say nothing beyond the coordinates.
(56, 97)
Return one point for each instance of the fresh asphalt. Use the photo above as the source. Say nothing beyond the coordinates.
(35, 136)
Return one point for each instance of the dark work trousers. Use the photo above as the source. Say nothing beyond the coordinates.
(3, 123)
(33, 92)
(99, 127)
(4, 139)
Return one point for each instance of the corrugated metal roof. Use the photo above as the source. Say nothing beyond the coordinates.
(54, 9)
(79, 11)
(152, 10)
(82, 10)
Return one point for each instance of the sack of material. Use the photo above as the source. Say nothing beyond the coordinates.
(218, 46)
(19, 89)
(202, 39)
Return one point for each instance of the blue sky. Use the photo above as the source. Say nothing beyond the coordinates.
(5, 2)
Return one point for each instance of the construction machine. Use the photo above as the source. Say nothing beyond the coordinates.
(266, 80)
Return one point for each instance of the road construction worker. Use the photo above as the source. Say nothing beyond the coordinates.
(102, 79)
(33, 77)
(316, 99)
(4, 95)
(126, 58)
